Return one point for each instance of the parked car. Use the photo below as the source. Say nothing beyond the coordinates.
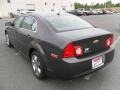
(60, 45)
(100, 12)
(94, 12)
(107, 12)
(115, 11)
(76, 12)
(22, 11)
(86, 11)
(11, 15)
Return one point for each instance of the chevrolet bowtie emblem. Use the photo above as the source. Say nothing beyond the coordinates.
(95, 41)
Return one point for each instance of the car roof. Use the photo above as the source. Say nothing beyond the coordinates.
(47, 14)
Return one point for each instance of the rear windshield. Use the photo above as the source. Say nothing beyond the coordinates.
(66, 23)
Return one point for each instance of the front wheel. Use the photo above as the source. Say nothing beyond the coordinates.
(37, 66)
(8, 41)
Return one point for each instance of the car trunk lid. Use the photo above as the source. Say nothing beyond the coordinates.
(92, 40)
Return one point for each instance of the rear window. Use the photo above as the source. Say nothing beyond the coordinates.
(66, 23)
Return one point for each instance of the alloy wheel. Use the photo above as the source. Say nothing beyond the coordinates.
(36, 65)
(7, 40)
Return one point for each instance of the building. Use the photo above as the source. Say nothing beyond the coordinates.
(15, 6)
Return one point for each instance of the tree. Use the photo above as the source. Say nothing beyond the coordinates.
(78, 5)
(97, 5)
(107, 4)
(117, 5)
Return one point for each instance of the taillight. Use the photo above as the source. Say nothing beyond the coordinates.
(72, 51)
(109, 41)
(69, 51)
(78, 50)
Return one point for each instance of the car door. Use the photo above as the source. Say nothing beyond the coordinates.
(13, 30)
(26, 33)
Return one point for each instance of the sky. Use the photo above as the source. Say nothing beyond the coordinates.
(95, 1)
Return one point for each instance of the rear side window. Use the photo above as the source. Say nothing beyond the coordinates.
(34, 26)
(18, 21)
(29, 23)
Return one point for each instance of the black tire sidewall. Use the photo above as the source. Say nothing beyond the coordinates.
(42, 75)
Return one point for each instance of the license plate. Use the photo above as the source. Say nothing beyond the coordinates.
(97, 62)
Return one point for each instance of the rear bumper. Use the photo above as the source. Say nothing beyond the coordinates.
(73, 68)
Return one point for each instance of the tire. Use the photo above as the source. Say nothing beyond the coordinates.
(37, 65)
(8, 40)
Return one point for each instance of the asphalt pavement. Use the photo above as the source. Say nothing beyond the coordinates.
(16, 72)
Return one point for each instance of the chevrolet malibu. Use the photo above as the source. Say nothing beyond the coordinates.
(60, 45)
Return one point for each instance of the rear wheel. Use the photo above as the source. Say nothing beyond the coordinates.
(8, 40)
(37, 66)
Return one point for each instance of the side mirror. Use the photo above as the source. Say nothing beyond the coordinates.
(9, 24)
